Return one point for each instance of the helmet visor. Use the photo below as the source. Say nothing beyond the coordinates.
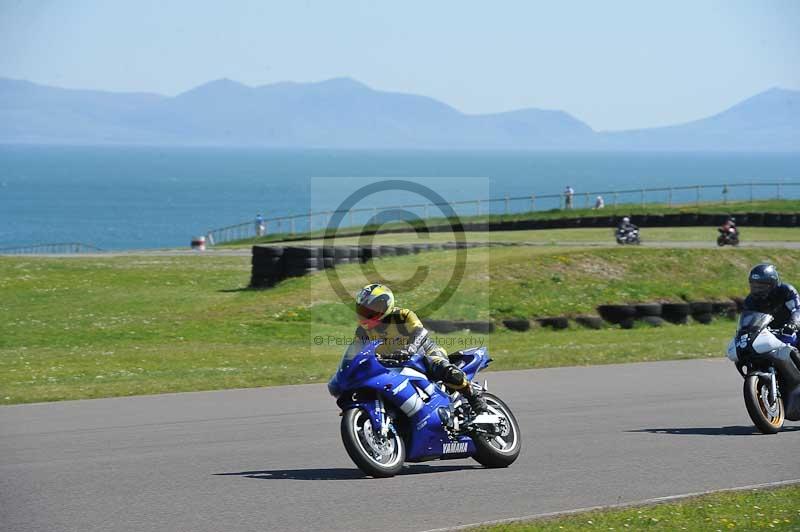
(368, 313)
(760, 289)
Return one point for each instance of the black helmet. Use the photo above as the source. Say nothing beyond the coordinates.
(763, 279)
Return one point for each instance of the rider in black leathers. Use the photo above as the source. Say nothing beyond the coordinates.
(769, 295)
(625, 227)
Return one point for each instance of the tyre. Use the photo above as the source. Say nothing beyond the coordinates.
(767, 414)
(517, 324)
(499, 450)
(481, 327)
(705, 319)
(720, 241)
(301, 252)
(647, 309)
(590, 322)
(556, 322)
(616, 313)
(675, 312)
(374, 455)
(701, 307)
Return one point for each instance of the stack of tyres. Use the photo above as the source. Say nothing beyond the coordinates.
(367, 253)
(341, 255)
(675, 312)
(328, 257)
(622, 315)
(755, 219)
(649, 313)
(701, 311)
(266, 266)
(301, 260)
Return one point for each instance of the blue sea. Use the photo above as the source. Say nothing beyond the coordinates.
(134, 198)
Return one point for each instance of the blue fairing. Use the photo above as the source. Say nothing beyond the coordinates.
(361, 380)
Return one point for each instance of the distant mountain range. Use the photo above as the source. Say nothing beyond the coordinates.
(343, 113)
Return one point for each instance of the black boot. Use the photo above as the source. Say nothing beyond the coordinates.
(476, 401)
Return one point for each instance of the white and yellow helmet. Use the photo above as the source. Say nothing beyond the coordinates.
(373, 303)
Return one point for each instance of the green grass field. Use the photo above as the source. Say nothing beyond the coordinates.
(777, 509)
(108, 326)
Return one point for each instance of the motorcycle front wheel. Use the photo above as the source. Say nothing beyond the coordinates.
(767, 413)
(375, 455)
(499, 450)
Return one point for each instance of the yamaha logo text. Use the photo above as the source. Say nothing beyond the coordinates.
(455, 447)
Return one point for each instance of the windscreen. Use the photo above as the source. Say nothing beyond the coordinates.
(751, 319)
(351, 351)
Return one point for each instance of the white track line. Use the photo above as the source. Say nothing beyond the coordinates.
(624, 505)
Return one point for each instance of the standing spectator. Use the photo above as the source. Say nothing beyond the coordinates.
(568, 193)
(259, 225)
(599, 203)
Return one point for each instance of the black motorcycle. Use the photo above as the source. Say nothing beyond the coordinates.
(770, 365)
(627, 236)
(728, 237)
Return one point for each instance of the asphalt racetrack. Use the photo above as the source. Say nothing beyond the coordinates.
(272, 458)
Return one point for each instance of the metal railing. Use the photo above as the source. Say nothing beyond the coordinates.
(59, 248)
(642, 196)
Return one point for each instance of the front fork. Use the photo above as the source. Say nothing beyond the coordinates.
(773, 382)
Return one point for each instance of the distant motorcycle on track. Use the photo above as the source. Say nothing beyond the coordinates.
(627, 236)
(728, 237)
(392, 413)
(770, 364)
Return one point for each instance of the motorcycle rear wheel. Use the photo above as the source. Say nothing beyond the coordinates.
(500, 450)
(767, 416)
(374, 455)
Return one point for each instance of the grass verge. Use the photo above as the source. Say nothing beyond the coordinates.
(88, 327)
(760, 509)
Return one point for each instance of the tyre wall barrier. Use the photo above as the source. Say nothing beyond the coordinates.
(271, 264)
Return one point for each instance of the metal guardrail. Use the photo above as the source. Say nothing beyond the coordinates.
(684, 194)
(59, 248)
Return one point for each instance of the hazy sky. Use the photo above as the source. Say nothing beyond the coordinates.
(613, 64)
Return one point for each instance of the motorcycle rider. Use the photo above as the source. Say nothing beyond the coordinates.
(403, 335)
(625, 227)
(729, 227)
(770, 296)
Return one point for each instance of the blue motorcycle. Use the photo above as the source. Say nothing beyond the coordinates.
(392, 413)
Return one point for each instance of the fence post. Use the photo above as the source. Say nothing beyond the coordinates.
(506, 203)
(310, 222)
(670, 197)
(698, 195)
(478, 207)
(751, 192)
(585, 200)
(724, 194)
(615, 199)
(533, 202)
